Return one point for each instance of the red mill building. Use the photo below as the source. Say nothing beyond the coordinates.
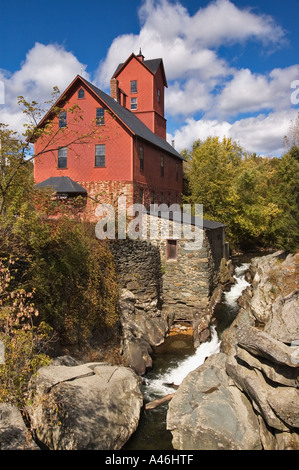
(129, 154)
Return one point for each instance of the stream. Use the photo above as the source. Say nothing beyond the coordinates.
(175, 359)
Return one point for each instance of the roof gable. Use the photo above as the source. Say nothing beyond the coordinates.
(151, 65)
(129, 119)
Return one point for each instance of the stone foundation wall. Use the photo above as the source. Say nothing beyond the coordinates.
(187, 281)
(157, 291)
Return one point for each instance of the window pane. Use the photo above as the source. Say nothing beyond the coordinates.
(141, 158)
(100, 154)
(100, 117)
(162, 166)
(133, 103)
(134, 86)
(81, 93)
(62, 157)
(62, 119)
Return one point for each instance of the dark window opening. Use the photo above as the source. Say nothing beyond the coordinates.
(81, 94)
(162, 165)
(100, 117)
(172, 249)
(134, 86)
(62, 157)
(140, 196)
(62, 119)
(100, 156)
(141, 158)
(133, 103)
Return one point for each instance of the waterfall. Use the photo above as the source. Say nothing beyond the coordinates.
(231, 297)
(175, 375)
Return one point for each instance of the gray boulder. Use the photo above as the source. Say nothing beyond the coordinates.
(14, 434)
(84, 407)
(208, 412)
(143, 327)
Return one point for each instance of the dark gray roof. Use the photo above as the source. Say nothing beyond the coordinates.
(152, 64)
(188, 219)
(133, 122)
(62, 184)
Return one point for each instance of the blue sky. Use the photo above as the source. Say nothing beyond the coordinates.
(230, 64)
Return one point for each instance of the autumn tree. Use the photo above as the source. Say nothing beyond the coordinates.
(256, 197)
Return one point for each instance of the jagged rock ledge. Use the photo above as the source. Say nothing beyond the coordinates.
(246, 397)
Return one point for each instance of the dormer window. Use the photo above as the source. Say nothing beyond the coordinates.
(159, 96)
(81, 93)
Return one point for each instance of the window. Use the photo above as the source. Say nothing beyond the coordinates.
(100, 117)
(162, 165)
(161, 198)
(133, 103)
(177, 171)
(134, 86)
(81, 94)
(152, 197)
(62, 119)
(172, 250)
(100, 155)
(62, 157)
(140, 196)
(141, 158)
(159, 96)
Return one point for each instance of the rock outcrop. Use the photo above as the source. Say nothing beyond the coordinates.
(143, 328)
(91, 406)
(14, 435)
(258, 364)
(208, 412)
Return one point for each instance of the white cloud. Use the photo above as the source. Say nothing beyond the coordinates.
(222, 22)
(201, 81)
(248, 92)
(187, 43)
(262, 134)
(45, 66)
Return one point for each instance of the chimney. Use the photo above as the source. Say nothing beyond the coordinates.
(140, 56)
(114, 90)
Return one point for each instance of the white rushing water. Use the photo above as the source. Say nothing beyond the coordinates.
(176, 375)
(231, 297)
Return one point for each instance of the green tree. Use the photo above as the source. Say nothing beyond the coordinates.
(256, 197)
(283, 232)
(211, 173)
